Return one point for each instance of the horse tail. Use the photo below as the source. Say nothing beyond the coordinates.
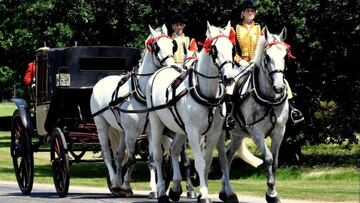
(247, 156)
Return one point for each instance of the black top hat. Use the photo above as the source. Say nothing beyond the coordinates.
(178, 18)
(247, 4)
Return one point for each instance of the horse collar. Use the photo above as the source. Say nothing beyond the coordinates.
(139, 96)
(259, 97)
(199, 97)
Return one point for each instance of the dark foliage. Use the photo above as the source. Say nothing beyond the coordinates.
(324, 36)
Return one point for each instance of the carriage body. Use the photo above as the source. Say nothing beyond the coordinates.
(65, 77)
(60, 111)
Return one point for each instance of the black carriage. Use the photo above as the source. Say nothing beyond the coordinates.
(58, 119)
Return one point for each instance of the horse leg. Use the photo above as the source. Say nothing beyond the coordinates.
(166, 143)
(233, 146)
(152, 169)
(119, 157)
(126, 188)
(191, 194)
(157, 128)
(259, 140)
(276, 139)
(194, 142)
(226, 194)
(166, 161)
(102, 129)
(176, 189)
(130, 140)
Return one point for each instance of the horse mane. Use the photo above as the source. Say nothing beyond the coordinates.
(259, 50)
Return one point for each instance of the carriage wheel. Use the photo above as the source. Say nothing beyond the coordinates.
(60, 163)
(22, 154)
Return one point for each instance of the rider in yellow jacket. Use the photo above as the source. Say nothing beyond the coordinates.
(247, 37)
(178, 26)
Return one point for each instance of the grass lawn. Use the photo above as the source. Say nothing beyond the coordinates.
(322, 178)
(7, 108)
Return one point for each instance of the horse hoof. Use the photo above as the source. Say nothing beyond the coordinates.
(232, 198)
(199, 200)
(163, 199)
(191, 195)
(116, 191)
(272, 199)
(175, 195)
(153, 195)
(223, 196)
(126, 193)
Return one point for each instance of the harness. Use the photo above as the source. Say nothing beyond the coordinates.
(152, 46)
(247, 86)
(194, 89)
(171, 103)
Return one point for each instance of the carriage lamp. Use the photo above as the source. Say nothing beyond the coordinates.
(63, 77)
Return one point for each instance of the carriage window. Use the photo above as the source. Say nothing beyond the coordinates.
(41, 78)
(102, 63)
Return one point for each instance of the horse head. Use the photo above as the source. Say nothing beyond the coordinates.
(272, 59)
(161, 46)
(221, 49)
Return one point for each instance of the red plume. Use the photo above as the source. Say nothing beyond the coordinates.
(193, 45)
(232, 36)
(148, 43)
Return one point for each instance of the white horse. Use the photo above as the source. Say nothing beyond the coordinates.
(127, 93)
(260, 107)
(199, 115)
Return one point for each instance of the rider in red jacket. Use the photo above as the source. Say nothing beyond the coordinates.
(30, 73)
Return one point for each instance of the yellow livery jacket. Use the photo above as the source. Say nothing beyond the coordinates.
(181, 40)
(246, 41)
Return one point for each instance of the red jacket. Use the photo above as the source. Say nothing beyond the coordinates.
(30, 73)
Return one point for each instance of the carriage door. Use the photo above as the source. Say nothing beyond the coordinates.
(42, 93)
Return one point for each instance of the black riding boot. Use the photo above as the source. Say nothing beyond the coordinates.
(295, 115)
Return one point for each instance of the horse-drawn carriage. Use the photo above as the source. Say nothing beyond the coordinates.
(195, 111)
(58, 120)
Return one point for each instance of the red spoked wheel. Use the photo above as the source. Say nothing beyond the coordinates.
(22, 154)
(60, 162)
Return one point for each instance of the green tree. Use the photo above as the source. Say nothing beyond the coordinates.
(6, 82)
(324, 36)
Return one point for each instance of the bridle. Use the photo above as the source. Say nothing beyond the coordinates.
(288, 49)
(209, 46)
(153, 47)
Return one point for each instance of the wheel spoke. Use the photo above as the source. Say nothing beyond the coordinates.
(21, 171)
(57, 147)
(26, 171)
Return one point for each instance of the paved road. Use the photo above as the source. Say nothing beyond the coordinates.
(9, 192)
